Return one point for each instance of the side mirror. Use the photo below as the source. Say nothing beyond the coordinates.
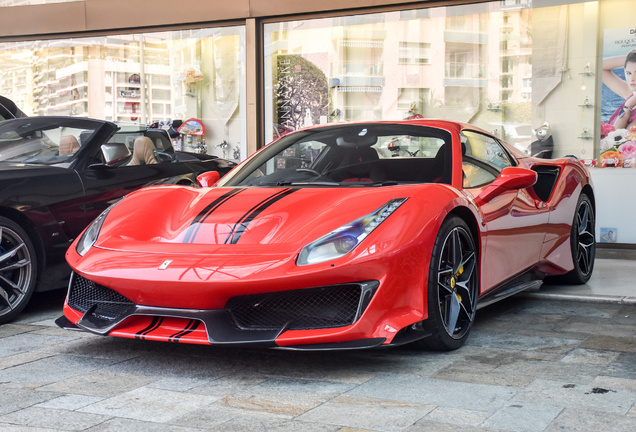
(115, 152)
(208, 179)
(511, 178)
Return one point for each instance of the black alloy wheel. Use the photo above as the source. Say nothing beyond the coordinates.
(453, 287)
(17, 269)
(582, 244)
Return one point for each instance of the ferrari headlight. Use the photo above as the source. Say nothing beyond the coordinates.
(89, 236)
(343, 240)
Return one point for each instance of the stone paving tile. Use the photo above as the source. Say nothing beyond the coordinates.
(22, 358)
(12, 345)
(576, 309)
(55, 419)
(456, 416)
(368, 413)
(623, 367)
(581, 374)
(614, 382)
(598, 329)
(178, 384)
(479, 373)
(251, 424)
(307, 385)
(274, 400)
(590, 357)
(230, 384)
(425, 425)
(44, 339)
(609, 343)
(575, 420)
(127, 425)
(568, 395)
(69, 402)
(16, 399)
(467, 396)
(165, 365)
(218, 416)
(99, 383)
(518, 342)
(94, 346)
(51, 369)
(151, 405)
(10, 329)
(523, 417)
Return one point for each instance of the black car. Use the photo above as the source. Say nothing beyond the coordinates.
(59, 173)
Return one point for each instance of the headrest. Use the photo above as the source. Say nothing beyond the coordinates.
(68, 145)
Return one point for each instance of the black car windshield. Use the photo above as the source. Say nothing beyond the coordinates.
(44, 140)
(356, 155)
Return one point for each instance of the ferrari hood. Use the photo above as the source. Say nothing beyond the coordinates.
(218, 218)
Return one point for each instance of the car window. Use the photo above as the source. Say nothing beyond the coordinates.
(26, 143)
(483, 158)
(352, 155)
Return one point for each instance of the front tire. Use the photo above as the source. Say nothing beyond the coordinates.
(453, 287)
(18, 269)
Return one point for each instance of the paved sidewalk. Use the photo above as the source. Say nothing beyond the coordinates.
(529, 365)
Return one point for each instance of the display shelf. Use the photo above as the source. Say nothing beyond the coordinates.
(587, 105)
(585, 137)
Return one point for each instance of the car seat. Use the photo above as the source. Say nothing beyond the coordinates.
(68, 145)
(143, 152)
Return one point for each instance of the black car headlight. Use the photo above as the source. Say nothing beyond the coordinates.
(90, 234)
(343, 240)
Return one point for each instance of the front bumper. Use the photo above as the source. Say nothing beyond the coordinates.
(252, 319)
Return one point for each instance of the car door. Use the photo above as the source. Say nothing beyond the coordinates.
(104, 184)
(515, 223)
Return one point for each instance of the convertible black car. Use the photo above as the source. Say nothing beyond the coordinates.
(59, 173)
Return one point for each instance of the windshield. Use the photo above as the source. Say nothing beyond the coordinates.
(351, 155)
(39, 140)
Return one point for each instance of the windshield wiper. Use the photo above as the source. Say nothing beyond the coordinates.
(305, 183)
(385, 183)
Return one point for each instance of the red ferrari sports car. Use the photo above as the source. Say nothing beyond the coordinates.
(336, 237)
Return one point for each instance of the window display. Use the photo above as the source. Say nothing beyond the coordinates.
(150, 78)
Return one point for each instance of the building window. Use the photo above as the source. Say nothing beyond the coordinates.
(414, 53)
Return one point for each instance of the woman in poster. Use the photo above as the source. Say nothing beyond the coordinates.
(625, 115)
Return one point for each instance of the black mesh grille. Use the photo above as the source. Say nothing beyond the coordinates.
(314, 308)
(84, 294)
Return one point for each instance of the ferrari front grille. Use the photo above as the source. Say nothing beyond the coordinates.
(107, 303)
(312, 308)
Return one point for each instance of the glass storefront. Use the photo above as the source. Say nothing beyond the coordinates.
(533, 73)
(164, 79)
(548, 76)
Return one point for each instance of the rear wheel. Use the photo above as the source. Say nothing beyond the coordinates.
(453, 287)
(17, 269)
(582, 244)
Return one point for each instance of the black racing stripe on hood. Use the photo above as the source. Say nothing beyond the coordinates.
(240, 227)
(192, 326)
(154, 325)
(206, 212)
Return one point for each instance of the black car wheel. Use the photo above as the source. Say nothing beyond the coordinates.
(582, 244)
(17, 269)
(453, 287)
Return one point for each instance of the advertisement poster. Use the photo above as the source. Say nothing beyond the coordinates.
(618, 105)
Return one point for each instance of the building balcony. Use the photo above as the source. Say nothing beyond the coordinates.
(357, 69)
